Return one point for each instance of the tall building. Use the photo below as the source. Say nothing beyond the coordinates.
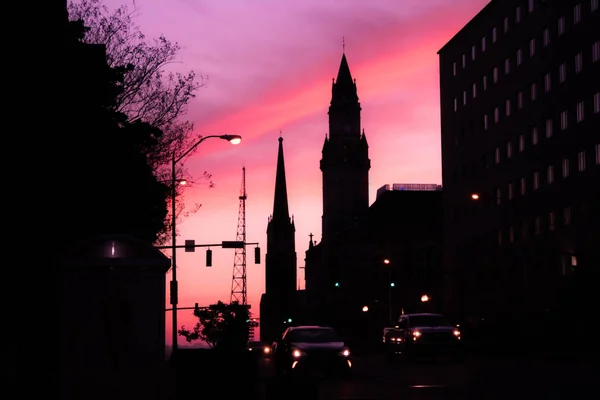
(520, 112)
(345, 166)
(278, 303)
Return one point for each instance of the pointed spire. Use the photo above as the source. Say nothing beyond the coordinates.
(344, 77)
(280, 204)
(310, 242)
(343, 90)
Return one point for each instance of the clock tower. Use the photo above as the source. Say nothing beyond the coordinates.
(345, 160)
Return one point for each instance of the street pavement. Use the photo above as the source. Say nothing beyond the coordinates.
(472, 378)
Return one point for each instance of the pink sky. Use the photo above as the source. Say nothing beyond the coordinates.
(270, 65)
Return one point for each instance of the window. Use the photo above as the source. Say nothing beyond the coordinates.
(547, 82)
(508, 150)
(536, 180)
(497, 156)
(578, 63)
(596, 102)
(563, 120)
(549, 126)
(551, 221)
(474, 90)
(562, 72)
(464, 97)
(533, 91)
(565, 168)
(561, 26)
(507, 107)
(494, 34)
(510, 191)
(577, 14)
(532, 47)
(454, 69)
(522, 185)
(538, 225)
(531, 5)
(521, 143)
(534, 136)
(496, 115)
(455, 104)
(567, 215)
(580, 111)
(464, 60)
(594, 5)
(596, 51)
(485, 122)
(518, 14)
(498, 196)
(505, 24)
(511, 234)
(581, 161)
(519, 56)
(507, 66)
(495, 74)
(546, 37)
(520, 100)
(473, 51)
(485, 83)
(550, 174)
(597, 154)
(483, 44)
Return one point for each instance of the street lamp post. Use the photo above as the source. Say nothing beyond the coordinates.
(174, 291)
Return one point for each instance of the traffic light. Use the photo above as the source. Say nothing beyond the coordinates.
(209, 258)
(392, 284)
(336, 284)
(257, 255)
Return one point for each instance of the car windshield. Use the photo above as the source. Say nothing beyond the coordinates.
(428, 320)
(316, 335)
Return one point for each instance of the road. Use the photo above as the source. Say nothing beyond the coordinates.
(428, 379)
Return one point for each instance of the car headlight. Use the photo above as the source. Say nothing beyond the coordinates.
(267, 350)
(456, 333)
(416, 334)
(345, 353)
(297, 353)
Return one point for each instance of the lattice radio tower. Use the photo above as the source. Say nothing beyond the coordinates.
(238, 283)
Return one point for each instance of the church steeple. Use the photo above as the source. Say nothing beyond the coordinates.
(343, 90)
(280, 204)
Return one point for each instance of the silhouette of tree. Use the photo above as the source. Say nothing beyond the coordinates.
(148, 92)
(222, 326)
(103, 181)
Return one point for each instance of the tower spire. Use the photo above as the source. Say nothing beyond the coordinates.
(280, 203)
(343, 44)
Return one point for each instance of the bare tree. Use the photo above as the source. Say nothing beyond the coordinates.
(149, 92)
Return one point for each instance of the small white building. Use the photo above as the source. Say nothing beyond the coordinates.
(113, 320)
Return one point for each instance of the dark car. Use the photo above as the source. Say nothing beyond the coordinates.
(422, 334)
(311, 349)
(261, 349)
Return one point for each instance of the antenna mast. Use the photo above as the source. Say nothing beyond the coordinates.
(238, 283)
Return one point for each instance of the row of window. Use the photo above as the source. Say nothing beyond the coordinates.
(521, 186)
(562, 77)
(518, 17)
(549, 131)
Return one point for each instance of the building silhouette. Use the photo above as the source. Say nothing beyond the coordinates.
(278, 303)
(520, 112)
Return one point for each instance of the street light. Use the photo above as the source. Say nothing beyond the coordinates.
(390, 286)
(365, 308)
(475, 196)
(424, 298)
(233, 139)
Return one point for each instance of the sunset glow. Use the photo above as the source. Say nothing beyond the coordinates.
(270, 65)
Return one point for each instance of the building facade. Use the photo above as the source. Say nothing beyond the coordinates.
(520, 112)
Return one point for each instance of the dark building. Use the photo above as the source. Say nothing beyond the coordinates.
(520, 112)
(278, 303)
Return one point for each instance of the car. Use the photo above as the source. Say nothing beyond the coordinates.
(422, 334)
(260, 348)
(311, 350)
